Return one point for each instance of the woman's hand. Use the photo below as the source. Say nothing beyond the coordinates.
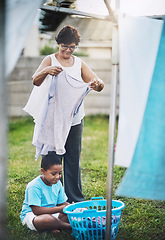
(44, 69)
(96, 84)
(89, 76)
(54, 70)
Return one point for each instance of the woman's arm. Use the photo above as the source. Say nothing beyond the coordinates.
(43, 70)
(89, 76)
(48, 210)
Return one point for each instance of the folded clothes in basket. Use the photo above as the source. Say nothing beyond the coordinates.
(80, 209)
(94, 226)
(99, 221)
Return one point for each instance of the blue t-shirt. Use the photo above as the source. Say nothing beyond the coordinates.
(39, 194)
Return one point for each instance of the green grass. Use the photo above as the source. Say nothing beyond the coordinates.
(141, 219)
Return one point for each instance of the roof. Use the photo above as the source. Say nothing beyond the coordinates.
(90, 29)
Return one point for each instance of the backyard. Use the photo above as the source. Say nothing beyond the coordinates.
(141, 219)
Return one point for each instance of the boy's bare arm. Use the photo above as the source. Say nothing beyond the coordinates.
(65, 204)
(48, 210)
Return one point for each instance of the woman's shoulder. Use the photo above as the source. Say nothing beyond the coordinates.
(77, 61)
(52, 57)
(47, 60)
(54, 60)
(77, 58)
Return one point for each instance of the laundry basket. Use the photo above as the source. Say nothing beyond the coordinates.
(88, 218)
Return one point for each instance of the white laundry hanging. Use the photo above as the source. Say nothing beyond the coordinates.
(61, 104)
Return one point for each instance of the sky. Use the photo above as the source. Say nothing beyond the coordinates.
(130, 7)
(143, 7)
(92, 6)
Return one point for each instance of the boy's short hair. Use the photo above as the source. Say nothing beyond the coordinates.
(49, 160)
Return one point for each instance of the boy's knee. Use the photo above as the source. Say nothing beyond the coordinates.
(42, 221)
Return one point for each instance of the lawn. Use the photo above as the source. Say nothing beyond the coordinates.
(141, 219)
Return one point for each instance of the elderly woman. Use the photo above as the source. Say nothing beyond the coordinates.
(69, 71)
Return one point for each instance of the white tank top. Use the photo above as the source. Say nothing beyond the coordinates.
(75, 72)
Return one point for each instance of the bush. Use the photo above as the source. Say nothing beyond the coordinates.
(80, 54)
(48, 50)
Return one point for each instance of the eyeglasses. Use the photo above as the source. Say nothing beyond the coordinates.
(72, 48)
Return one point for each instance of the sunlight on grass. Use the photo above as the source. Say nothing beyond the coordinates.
(141, 219)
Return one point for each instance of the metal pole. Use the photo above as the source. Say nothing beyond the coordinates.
(112, 126)
(3, 124)
(110, 11)
(75, 12)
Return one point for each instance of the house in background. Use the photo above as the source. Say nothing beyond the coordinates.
(96, 37)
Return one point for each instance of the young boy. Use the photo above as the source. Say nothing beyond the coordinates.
(45, 198)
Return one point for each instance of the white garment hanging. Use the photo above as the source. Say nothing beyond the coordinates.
(15, 34)
(39, 96)
(42, 102)
(53, 125)
(38, 99)
(138, 44)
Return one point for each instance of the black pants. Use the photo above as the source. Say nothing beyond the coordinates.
(71, 163)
